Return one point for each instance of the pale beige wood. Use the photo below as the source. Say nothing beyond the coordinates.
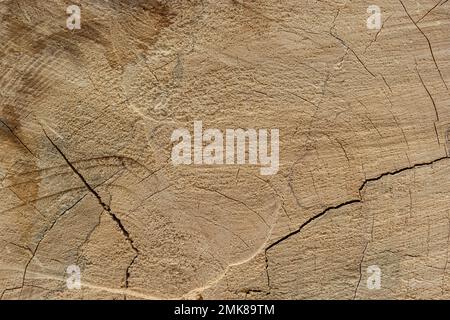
(86, 176)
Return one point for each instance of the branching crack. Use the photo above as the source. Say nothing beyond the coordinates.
(352, 51)
(359, 200)
(429, 44)
(105, 206)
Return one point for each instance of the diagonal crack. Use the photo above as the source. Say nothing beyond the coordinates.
(17, 137)
(432, 101)
(325, 211)
(428, 92)
(105, 206)
(395, 172)
(429, 44)
(352, 51)
(430, 11)
(304, 224)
